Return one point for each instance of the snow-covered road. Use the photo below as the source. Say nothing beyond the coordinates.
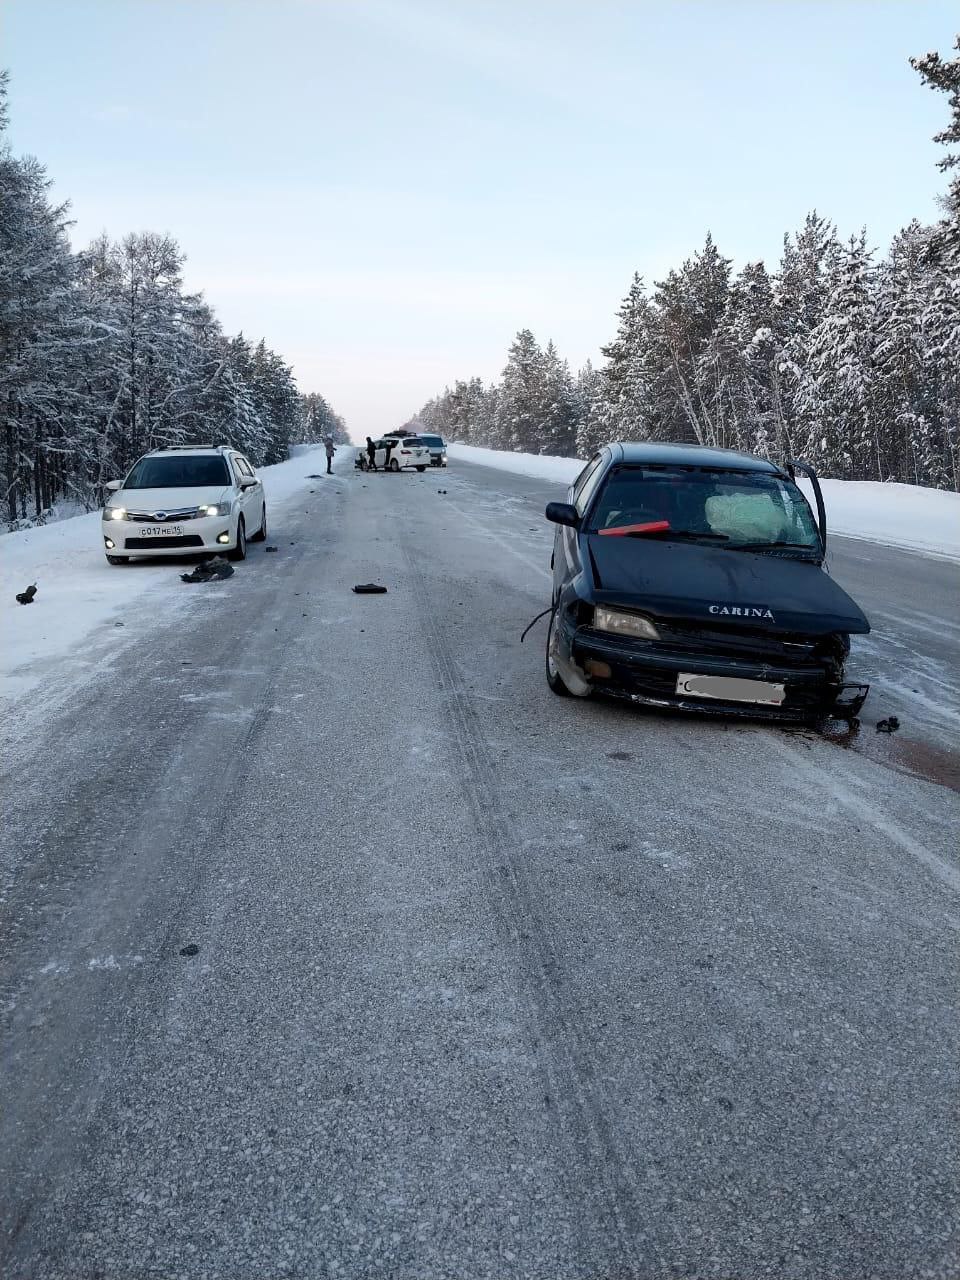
(332, 943)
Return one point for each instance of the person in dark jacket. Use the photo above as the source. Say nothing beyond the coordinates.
(331, 449)
(371, 454)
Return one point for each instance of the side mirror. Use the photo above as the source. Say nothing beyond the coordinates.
(247, 481)
(563, 513)
(112, 486)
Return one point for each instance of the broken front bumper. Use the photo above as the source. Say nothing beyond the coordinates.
(646, 672)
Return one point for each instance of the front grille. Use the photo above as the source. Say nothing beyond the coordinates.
(170, 517)
(753, 643)
(144, 544)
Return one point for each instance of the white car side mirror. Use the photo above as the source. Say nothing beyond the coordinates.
(113, 485)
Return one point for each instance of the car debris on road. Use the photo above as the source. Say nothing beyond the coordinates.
(210, 571)
(26, 596)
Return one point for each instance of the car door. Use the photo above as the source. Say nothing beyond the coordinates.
(251, 494)
(566, 544)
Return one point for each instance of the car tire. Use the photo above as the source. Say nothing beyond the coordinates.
(261, 534)
(554, 678)
(421, 469)
(118, 559)
(394, 465)
(239, 552)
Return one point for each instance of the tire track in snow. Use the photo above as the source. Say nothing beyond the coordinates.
(584, 1111)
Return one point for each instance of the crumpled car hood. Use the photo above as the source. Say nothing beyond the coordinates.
(714, 586)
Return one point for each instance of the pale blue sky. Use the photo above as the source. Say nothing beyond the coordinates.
(388, 189)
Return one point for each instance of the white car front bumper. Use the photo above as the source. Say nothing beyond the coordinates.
(139, 538)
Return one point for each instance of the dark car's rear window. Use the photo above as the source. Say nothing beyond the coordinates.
(435, 442)
(187, 472)
(739, 507)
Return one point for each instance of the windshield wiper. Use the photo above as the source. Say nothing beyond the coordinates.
(764, 546)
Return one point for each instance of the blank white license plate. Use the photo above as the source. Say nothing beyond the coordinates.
(161, 531)
(730, 689)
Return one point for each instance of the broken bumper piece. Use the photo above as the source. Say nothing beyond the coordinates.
(849, 701)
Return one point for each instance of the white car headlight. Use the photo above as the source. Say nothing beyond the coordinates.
(624, 624)
(114, 513)
(215, 509)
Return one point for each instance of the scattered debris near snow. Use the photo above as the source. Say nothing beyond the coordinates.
(269, 549)
(890, 725)
(26, 597)
(191, 949)
(369, 589)
(211, 571)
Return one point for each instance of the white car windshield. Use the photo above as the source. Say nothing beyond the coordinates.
(199, 471)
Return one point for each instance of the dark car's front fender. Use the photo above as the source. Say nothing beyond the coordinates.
(565, 622)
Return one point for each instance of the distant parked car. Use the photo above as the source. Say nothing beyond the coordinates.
(404, 451)
(184, 501)
(438, 449)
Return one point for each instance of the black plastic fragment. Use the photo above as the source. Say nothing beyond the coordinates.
(212, 571)
(890, 725)
(369, 589)
(26, 596)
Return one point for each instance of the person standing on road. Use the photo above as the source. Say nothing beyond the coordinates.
(371, 454)
(331, 449)
(386, 459)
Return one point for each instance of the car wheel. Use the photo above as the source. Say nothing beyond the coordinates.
(554, 678)
(394, 465)
(239, 552)
(421, 469)
(118, 559)
(261, 534)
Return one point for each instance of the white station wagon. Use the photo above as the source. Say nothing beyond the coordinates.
(183, 502)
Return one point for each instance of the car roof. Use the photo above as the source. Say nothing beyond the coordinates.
(210, 450)
(689, 455)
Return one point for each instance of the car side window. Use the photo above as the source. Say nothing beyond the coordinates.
(586, 484)
(245, 468)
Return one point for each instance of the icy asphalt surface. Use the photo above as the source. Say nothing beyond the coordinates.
(478, 982)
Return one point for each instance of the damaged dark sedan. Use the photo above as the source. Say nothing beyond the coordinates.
(694, 578)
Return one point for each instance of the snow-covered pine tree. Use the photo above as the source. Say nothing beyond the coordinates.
(689, 304)
(624, 408)
(844, 434)
(558, 431)
(941, 319)
(801, 291)
(521, 407)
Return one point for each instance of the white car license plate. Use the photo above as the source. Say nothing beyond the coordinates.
(162, 531)
(730, 689)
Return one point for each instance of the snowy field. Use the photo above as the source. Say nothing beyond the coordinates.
(79, 593)
(896, 515)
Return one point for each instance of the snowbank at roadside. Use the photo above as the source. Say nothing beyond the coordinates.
(897, 515)
(562, 470)
(77, 591)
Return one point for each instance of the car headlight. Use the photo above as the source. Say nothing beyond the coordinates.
(215, 509)
(114, 513)
(624, 624)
